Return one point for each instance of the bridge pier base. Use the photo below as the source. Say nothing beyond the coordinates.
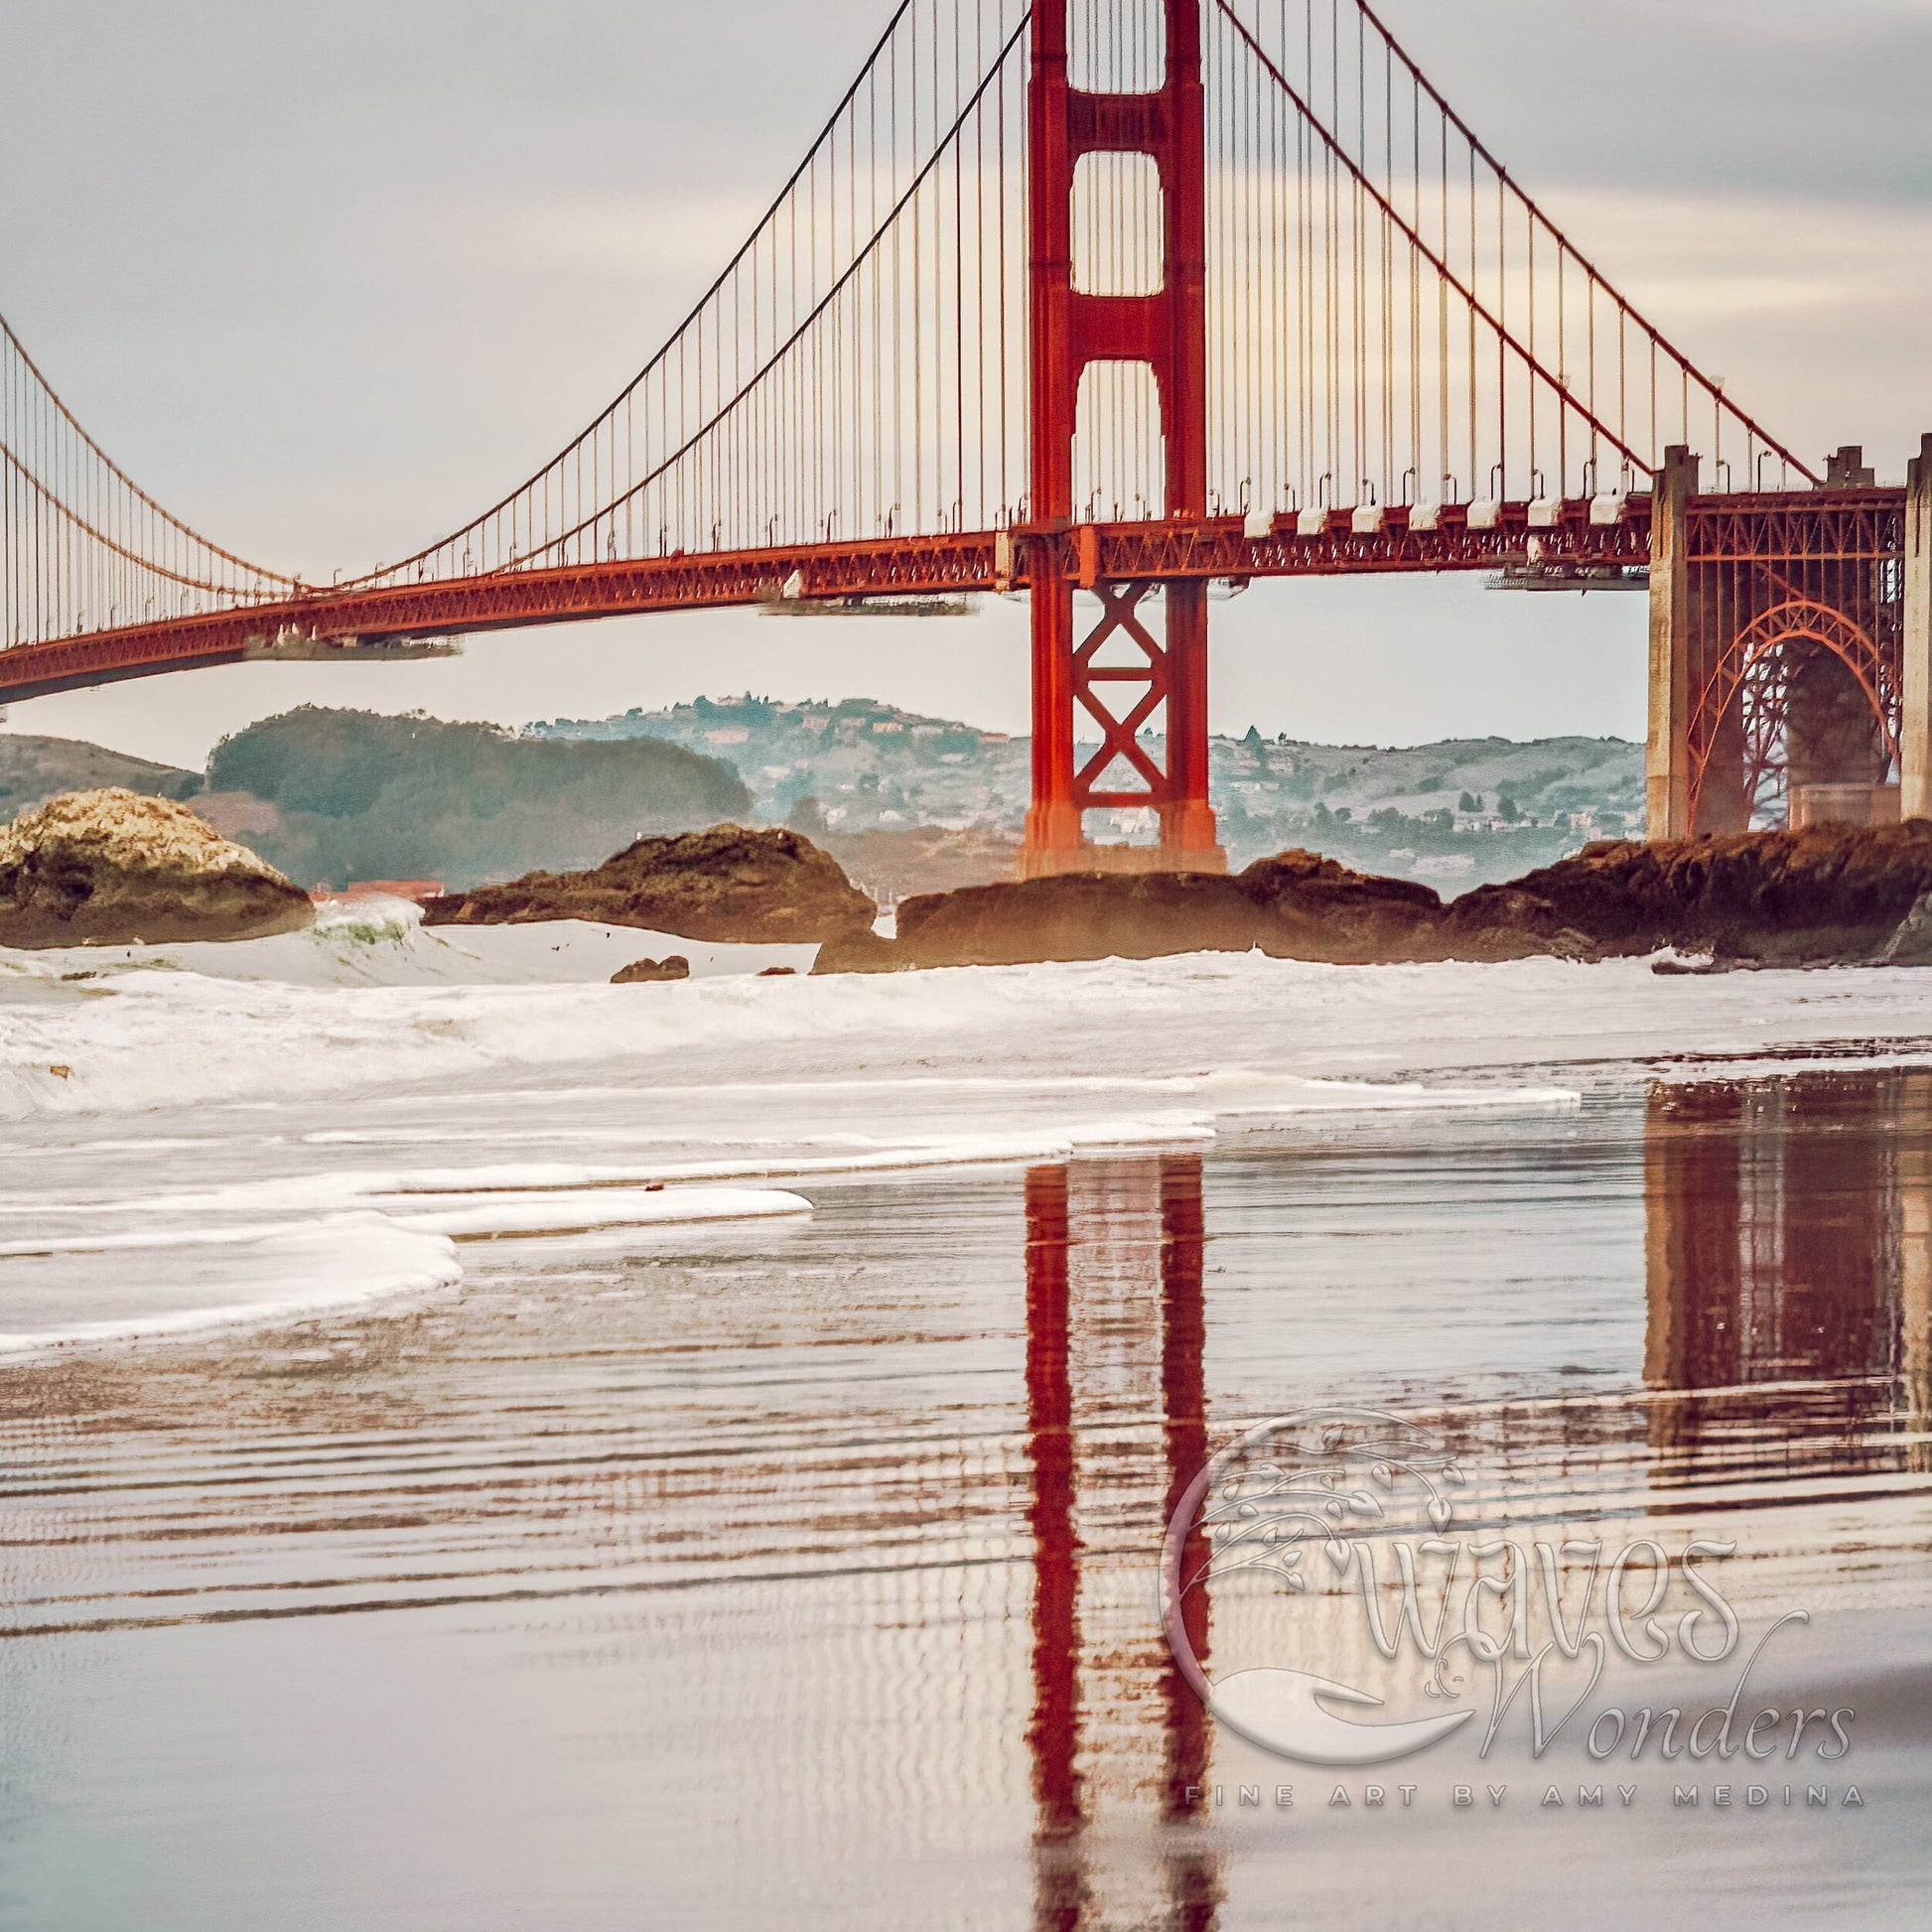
(1915, 719)
(1673, 693)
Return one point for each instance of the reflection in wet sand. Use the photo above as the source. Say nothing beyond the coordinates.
(1053, 1732)
(807, 1577)
(1114, 1255)
(1789, 1240)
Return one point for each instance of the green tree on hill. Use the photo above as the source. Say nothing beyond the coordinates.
(361, 795)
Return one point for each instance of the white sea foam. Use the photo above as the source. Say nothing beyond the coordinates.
(195, 1126)
(488, 1208)
(574, 1210)
(383, 943)
(98, 1279)
(1856, 1057)
(158, 1039)
(63, 1299)
(150, 1039)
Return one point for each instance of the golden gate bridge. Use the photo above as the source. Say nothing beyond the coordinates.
(1122, 298)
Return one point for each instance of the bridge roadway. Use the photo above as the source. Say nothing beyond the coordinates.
(1575, 535)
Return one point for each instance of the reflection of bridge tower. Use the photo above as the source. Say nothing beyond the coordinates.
(1790, 1233)
(1790, 651)
(1114, 1329)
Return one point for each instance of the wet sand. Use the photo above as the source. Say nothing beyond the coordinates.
(804, 1573)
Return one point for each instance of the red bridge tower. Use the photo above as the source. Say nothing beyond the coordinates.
(1166, 329)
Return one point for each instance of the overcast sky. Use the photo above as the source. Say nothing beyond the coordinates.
(324, 278)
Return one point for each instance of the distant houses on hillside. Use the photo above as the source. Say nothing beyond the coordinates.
(860, 767)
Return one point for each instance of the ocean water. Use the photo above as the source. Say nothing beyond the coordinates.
(315, 1116)
(484, 1446)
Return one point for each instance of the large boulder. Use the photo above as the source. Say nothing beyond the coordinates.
(1508, 921)
(1829, 893)
(1295, 905)
(1075, 916)
(1912, 944)
(863, 951)
(648, 972)
(115, 868)
(730, 883)
(1311, 907)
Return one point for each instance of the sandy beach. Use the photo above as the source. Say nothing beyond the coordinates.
(529, 1451)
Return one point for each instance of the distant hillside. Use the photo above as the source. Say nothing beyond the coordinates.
(869, 765)
(35, 769)
(1460, 811)
(332, 797)
(892, 863)
(908, 803)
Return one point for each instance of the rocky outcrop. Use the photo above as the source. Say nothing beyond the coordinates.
(1827, 894)
(730, 883)
(1494, 922)
(1311, 907)
(1295, 905)
(1075, 916)
(1912, 943)
(115, 868)
(1830, 893)
(648, 972)
(862, 950)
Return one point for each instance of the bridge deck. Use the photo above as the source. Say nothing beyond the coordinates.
(1785, 524)
(1216, 547)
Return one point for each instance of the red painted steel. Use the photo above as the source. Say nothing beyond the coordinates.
(1163, 551)
(1797, 622)
(1776, 582)
(842, 375)
(1764, 547)
(1168, 331)
(503, 600)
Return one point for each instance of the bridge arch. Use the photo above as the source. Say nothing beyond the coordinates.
(1759, 671)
